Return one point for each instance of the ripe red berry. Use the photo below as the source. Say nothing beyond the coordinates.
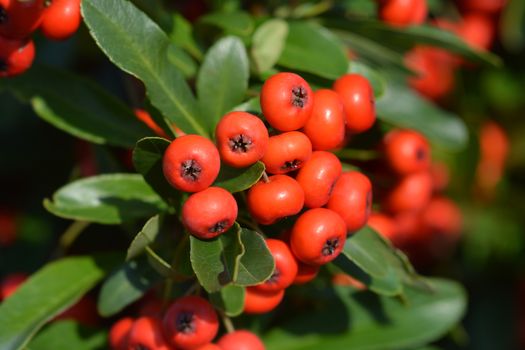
(317, 178)
(209, 213)
(61, 19)
(385, 226)
(10, 284)
(270, 201)
(119, 334)
(411, 193)
(146, 333)
(305, 273)
(285, 267)
(478, 30)
(358, 102)
(326, 126)
(191, 163)
(16, 56)
(190, 322)
(260, 302)
(406, 151)
(403, 12)
(240, 340)
(318, 236)
(209, 346)
(287, 152)
(242, 139)
(145, 117)
(442, 216)
(18, 19)
(286, 101)
(351, 198)
(7, 227)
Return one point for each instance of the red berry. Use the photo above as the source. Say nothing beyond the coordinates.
(286, 101)
(18, 19)
(260, 302)
(411, 193)
(10, 284)
(7, 227)
(305, 273)
(487, 6)
(326, 126)
(61, 19)
(351, 198)
(84, 312)
(270, 201)
(318, 236)
(146, 333)
(285, 267)
(191, 163)
(242, 139)
(317, 178)
(403, 12)
(190, 322)
(406, 151)
(240, 340)
(16, 56)
(358, 102)
(209, 213)
(145, 117)
(442, 216)
(287, 152)
(478, 30)
(385, 226)
(119, 334)
(209, 346)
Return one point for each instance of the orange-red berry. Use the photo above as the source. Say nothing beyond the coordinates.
(287, 152)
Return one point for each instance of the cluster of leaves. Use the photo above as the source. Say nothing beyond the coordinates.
(400, 310)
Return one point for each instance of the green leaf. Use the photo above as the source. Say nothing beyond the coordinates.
(364, 321)
(376, 80)
(124, 286)
(77, 106)
(147, 158)
(160, 265)
(229, 299)
(45, 294)
(66, 335)
(237, 180)
(181, 35)
(404, 108)
(256, 264)
(222, 80)
(144, 238)
(313, 49)
(268, 43)
(237, 23)
(138, 46)
(182, 61)
(106, 199)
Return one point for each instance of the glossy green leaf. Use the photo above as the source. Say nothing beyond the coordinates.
(181, 35)
(236, 180)
(256, 264)
(230, 299)
(237, 23)
(77, 106)
(268, 43)
(138, 46)
(182, 61)
(365, 321)
(48, 292)
(147, 159)
(66, 335)
(106, 199)
(222, 80)
(160, 265)
(144, 238)
(124, 286)
(404, 108)
(313, 49)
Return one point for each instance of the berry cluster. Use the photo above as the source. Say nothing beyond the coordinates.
(56, 19)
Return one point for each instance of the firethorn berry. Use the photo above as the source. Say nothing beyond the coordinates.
(7, 227)
(351, 198)
(344, 280)
(61, 19)
(270, 201)
(240, 340)
(406, 151)
(18, 19)
(260, 301)
(190, 322)
(146, 333)
(285, 267)
(403, 12)
(286, 101)
(287, 152)
(411, 193)
(326, 126)
(209, 346)
(385, 226)
(443, 216)
(486, 6)
(477, 30)
(358, 102)
(191, 163)
(242, 139)
(440, 175)
(16, 56)
(305, 273)
(317, 178)
(119, 334)
(494, 143)
(318, 236)
(11, 283)
(209, 213)
(145, 117)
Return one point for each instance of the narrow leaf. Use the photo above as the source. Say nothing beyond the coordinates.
(237, 180)
(268, 43)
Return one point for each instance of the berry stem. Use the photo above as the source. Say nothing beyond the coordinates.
(71, 234)
(265, 177)
(228, 324)
(358, 154)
